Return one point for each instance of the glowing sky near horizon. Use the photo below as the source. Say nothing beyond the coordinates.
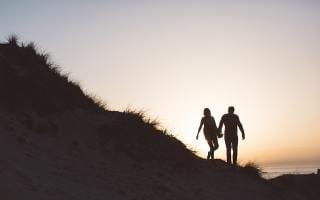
(173, 58)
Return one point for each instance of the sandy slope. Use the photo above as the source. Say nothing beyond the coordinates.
(61, 157)
(59, 143)
(300, 187)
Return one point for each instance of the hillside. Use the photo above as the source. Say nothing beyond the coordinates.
(59, 143)
(298, 186)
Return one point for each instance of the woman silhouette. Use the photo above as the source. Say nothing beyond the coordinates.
(210, 132)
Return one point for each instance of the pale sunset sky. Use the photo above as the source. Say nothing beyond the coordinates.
(174, 58)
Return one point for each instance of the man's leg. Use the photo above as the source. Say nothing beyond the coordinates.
(228, 145)
(235, 149)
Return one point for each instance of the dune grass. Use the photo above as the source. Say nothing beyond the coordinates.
(13, 39)
(30, 79)
(141, 115)
(253, 169)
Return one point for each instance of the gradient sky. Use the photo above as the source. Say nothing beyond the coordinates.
(173, 58)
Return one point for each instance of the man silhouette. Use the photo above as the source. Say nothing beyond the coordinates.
(231, 123)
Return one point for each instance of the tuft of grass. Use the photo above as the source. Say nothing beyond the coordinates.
(31, 46)
(45, 58)
(13, 40)
(96, 100)
(142, 116)
(195, 152)
(253, 169)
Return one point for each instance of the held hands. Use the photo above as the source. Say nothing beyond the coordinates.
(243, 136)
(220, 135)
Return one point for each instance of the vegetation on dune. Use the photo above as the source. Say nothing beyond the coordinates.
(253, 169)
(139, 136)
(13, 40)
(30, 80)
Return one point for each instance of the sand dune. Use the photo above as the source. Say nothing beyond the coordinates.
(59, 143)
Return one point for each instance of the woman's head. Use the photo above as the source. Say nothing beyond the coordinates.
(207, 112)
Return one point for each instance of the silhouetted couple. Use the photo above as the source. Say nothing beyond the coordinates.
(231, 123)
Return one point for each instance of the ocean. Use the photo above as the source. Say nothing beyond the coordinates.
(272, 171)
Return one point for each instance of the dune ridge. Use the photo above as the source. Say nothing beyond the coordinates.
(60, 143)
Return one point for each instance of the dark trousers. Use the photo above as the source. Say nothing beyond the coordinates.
(231, 142)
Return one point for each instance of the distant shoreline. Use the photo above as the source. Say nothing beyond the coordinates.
(272, 171)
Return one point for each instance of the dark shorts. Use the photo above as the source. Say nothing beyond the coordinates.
(211, 136)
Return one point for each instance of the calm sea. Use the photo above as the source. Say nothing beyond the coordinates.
(271, 171)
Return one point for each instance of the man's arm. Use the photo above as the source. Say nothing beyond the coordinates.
(241, 129)
(201, 123)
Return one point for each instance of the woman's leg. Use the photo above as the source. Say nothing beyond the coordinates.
(211, 149)
(215, 142)
(215, 146)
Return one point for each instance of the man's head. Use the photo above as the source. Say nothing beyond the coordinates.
(231, 109)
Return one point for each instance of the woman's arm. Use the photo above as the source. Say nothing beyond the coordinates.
(214, 124)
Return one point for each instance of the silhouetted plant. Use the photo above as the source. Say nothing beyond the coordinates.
(97, 101)
(29, 79)
(135, 130)
(31, 46)
(252, 169)
(22, 45)
(142, 116)
(13, 39)
(44, 58)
